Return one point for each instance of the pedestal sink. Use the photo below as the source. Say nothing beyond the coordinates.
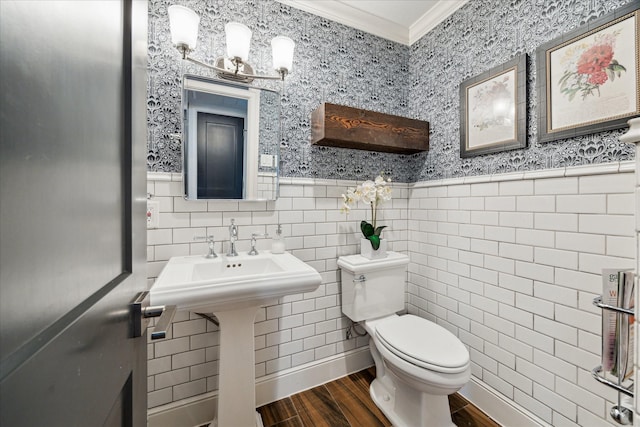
(233, 288)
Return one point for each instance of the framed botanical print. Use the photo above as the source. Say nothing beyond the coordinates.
(588, 79)
(493, 110)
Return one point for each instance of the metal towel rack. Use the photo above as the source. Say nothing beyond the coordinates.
(621, 414)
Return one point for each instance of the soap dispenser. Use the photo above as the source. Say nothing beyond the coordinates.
(277, 245)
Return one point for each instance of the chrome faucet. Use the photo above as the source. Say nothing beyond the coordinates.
(233, 238)
(253, 250)
(211, 242)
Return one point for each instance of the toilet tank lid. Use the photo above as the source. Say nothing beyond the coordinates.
(357, 264)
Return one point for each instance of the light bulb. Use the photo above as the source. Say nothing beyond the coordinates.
(282, 49)
(184, 26)
(238, 40)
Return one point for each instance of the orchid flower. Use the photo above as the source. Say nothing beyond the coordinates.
(372, 193)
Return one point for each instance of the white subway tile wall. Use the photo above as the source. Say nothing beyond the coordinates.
(300, 329)
(516, 280)
(510, 267)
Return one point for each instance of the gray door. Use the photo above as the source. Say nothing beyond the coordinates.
(220, 156)
(72, 204)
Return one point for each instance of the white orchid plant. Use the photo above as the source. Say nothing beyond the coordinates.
(372, 193)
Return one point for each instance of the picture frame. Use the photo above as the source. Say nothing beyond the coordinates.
(588, 79)
(493, 109)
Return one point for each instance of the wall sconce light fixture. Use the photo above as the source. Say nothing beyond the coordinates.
(184, 35)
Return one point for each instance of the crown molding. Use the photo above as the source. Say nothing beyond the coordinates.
(352, 17)
(431, 18)
(343, 13)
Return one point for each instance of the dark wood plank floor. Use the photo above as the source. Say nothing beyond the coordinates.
(345, 402)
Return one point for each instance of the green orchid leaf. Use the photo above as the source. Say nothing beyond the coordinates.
(379, 230)
(367, 229)
(375, 242)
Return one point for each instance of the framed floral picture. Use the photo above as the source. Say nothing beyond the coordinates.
(493, 110)
(588, 79)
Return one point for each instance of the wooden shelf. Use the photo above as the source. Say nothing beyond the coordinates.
(335, 125)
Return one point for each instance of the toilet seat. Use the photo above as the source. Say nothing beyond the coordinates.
(423, 343)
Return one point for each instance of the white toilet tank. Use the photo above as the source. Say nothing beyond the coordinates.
(373, 288)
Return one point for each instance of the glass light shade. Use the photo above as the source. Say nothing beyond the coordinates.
(184, 26)
(238, 40)
(282, 48)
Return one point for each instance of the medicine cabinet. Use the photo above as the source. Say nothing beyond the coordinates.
(231, 140)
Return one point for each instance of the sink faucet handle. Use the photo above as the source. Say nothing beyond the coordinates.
(210, 240)
(233, 229)
(233, 238)
(253, 250)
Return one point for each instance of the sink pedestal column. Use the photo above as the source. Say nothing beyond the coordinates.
(237, 379)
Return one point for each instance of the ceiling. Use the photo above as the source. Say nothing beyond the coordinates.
(403, 21)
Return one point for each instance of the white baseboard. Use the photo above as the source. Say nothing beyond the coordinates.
(505, 411)
(291, 381)
(200, 410)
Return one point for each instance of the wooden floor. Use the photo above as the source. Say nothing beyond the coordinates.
(345, 402)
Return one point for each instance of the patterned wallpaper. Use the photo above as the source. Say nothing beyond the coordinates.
(332, 63)
(478, 37)
(339, 64)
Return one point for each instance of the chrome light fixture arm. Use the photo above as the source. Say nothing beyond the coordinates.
(231, 74)
(236, 74)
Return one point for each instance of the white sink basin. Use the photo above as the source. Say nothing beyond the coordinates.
(196, 283)
(234, 288)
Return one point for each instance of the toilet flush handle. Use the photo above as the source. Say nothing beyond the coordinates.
(359, 281)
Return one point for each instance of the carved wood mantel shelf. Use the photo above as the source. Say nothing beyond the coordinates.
(340, 126)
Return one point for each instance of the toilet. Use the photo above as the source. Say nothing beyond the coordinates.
(418, 363)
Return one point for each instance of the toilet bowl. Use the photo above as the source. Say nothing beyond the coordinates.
(418, 363)
(412, 385)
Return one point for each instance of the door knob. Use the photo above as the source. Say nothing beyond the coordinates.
(142, 312)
